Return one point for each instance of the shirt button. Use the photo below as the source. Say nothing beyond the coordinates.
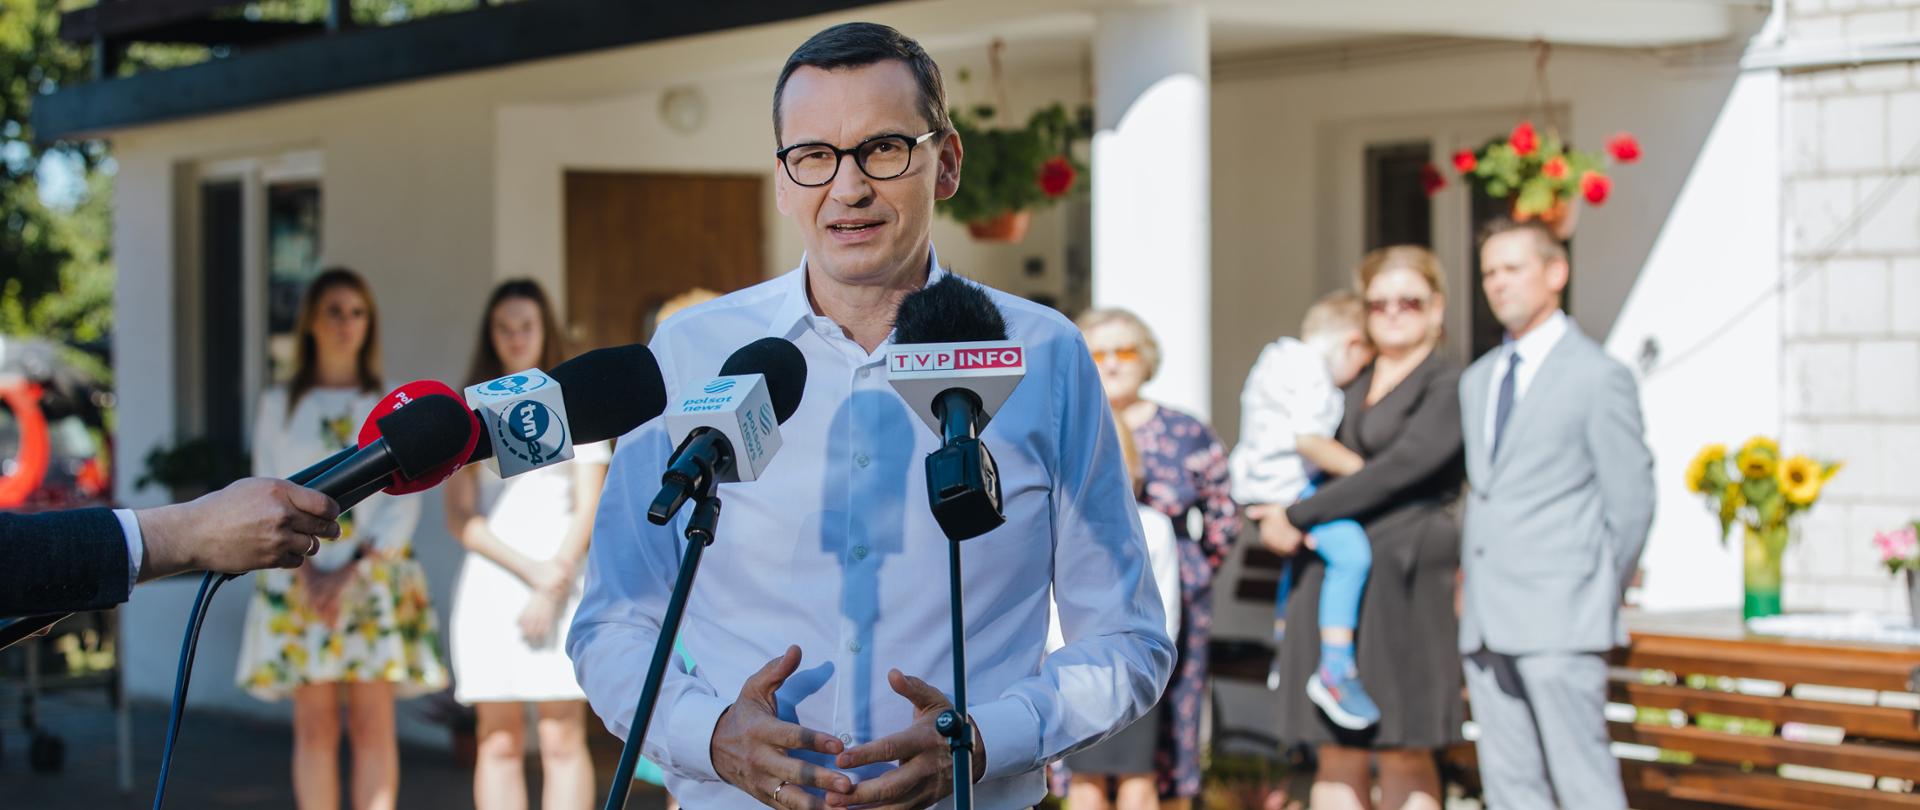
(846, 739)
(864, 372)
(861, 459)
(854, 646)
(859, 552)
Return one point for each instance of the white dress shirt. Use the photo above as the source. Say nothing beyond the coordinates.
(136, 545)
(1533, 349)
(1289, 393)
(834, 549)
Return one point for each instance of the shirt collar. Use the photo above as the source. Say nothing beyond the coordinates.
(1536, 344)
(796, 312)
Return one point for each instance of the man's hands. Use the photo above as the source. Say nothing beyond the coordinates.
(254, 523)
(925, 775)
(750, 745)
(1277, 534)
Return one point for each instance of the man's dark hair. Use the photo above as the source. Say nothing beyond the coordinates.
(1548, 245)
(858, 44)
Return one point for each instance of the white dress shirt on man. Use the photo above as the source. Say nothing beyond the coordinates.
(834, 549)
(1533, 350)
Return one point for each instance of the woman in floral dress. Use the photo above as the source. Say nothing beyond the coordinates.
(352, 627)
(1186, 471)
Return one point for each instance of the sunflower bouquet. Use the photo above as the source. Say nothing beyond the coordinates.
(1761, 491)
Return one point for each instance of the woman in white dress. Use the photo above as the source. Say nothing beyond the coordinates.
(526, 537)
(353, 626)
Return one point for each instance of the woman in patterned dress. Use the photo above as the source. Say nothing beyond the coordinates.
(1186, 471)
(353, 626)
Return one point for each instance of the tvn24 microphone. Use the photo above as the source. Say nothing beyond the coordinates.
(951, 361)
(602, 394)
(729, 425)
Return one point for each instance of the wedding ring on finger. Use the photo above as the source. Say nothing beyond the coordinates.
(776, 791)
(315, 547)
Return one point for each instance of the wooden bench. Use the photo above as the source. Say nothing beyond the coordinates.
(1684, 674)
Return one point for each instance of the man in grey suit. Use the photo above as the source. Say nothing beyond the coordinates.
(1562, 498)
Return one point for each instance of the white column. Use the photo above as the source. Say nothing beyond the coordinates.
(1151, 234)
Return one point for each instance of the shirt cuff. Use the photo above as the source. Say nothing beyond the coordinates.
(1010, 733)
(136, 546)
(689, 739)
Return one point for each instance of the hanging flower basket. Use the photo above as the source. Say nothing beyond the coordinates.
(1539, 176)
(1007, 226)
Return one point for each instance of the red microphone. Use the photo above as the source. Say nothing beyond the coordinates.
(399, 398)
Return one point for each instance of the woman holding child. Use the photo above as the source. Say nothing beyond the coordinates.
(1402, 416)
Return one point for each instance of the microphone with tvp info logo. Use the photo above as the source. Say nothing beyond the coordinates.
(951, 361)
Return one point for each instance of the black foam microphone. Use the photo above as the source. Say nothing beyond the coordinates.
(428, 433)
(727, 428)
(952, 362)
(608, 393)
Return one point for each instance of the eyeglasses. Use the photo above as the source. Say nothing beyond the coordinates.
(881, 157)
(1127, 354)
(1389, 306)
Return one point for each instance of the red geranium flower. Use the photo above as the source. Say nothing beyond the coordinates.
(1056, 176)
(1595, 186)
(1431, 180)
(1464, 161)
(1555, 168)
(1523, 139)
(1624, 148)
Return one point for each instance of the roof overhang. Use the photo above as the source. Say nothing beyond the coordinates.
(367, 57)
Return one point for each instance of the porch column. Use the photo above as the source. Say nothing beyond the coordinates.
(1151, 234)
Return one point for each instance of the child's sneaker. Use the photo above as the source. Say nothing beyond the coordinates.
(1343, 699)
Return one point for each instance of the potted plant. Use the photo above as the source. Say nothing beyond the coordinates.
(1012, 171)
(1539, 176)
(1900, 552)
(1762, 492)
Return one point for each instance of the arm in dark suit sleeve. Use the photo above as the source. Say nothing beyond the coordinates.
(1428, 442)
(62, 562)
(1623, 468)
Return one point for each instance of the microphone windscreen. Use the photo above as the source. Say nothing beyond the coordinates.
(781, 363)
(951, 310)
(610, 391)
(427, 433)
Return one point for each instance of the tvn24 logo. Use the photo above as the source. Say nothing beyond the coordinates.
(1000, 357)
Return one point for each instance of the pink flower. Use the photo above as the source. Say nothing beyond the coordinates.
(1555, 168)
(1898, 544)
(1464, 161)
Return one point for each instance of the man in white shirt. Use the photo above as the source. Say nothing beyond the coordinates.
(831, 564)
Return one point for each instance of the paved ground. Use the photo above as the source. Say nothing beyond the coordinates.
(222, 762)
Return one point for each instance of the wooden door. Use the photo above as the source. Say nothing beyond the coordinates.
(637, 239)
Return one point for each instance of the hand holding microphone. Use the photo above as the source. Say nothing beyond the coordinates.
(253, 523)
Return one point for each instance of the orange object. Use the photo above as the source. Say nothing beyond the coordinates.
(30, 463)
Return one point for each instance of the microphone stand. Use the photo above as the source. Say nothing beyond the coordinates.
(700, 529)
(954, 723)
(963, 488)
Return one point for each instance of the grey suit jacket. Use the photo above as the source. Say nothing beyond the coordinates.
(1555, 525)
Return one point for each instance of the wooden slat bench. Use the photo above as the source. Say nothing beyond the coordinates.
(1682, 668)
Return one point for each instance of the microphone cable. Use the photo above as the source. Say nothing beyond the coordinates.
(189, 645)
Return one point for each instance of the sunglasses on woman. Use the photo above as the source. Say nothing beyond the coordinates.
(1125, 355)
(1388, 306)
